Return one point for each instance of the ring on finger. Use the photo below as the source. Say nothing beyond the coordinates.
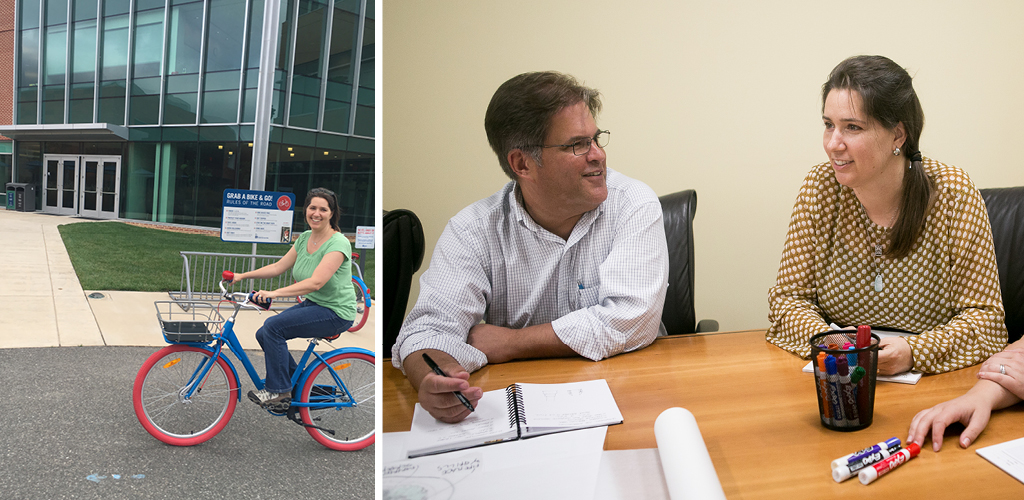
(1002, 370)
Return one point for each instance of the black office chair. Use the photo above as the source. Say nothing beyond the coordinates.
(678, 314)
(403, 255)
(1006, 212)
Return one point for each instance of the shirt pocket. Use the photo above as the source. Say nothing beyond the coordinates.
(586, 297)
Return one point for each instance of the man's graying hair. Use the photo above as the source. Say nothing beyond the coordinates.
(520, 111)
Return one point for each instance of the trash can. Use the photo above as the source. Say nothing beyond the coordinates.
(21, 197)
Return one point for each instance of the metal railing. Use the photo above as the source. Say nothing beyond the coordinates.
(201, 271)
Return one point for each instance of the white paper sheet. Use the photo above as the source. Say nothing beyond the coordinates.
(1008, 456)
(629, 474)
(909, 377)
(688, 470)
(563, 465)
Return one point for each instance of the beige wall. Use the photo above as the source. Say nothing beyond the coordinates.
(721, 97)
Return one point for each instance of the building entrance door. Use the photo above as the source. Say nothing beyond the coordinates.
(83, 185)
(61, 185)
(100, 193)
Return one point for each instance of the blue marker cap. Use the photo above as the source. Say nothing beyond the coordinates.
(830, 364)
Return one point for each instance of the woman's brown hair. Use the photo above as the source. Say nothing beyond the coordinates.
(888, 96)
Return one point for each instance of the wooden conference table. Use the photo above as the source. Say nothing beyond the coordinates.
(758, 415)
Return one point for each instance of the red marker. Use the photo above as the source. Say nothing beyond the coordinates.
(863, 336)
(869, 474)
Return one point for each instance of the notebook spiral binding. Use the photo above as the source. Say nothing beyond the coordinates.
(516, 414)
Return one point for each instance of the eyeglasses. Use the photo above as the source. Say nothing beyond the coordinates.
(582, 146)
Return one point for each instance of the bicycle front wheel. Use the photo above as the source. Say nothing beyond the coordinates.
(160, 389)
(362, 304)
(344, 428)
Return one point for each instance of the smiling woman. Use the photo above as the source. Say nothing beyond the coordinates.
(881, 236)
(321, 263)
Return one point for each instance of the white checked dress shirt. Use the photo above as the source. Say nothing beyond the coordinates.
(602, 289)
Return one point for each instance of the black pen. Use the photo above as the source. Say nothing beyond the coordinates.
(439, 371)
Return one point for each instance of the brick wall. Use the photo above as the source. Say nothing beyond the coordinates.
(6, 62)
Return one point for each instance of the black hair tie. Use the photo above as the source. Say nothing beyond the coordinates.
(916, 156)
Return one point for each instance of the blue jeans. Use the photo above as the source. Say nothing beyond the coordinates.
(305, 320)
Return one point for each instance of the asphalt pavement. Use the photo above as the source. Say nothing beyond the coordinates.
(69, 431)
(68, 360)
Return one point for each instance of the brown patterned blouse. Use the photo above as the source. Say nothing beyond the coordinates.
(946, 289)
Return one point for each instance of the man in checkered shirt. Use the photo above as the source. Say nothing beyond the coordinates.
(568, 259)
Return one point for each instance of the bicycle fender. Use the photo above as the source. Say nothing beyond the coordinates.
(309, 367)
(238, 382)
(366, 290)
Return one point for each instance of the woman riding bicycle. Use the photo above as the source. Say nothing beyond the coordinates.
(320, 261)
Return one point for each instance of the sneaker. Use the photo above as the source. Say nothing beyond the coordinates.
(271, 400)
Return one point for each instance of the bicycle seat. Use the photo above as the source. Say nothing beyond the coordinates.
(333, 337)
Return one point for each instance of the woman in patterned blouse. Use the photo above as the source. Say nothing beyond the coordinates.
(882, 236)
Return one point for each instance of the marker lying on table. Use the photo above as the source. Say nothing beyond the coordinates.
(844, 472)
(869, 474)
(439, 371)
(852, 457)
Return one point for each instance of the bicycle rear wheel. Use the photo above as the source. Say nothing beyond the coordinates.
(160, 404)
(352, 426)
(362, 304)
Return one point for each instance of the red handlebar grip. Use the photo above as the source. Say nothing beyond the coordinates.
(227, 275)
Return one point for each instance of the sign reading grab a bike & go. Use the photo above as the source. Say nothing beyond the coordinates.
(257, 216)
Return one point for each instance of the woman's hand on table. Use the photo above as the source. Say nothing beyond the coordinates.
(894, 356)
(972, 410)
(1011, 376)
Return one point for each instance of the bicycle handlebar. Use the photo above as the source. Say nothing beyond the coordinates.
(240, 298)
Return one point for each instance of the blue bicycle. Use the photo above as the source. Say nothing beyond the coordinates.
(185, 393)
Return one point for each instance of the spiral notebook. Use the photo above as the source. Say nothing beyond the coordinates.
(519, 411)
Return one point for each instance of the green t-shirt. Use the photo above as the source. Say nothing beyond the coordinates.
(338, 293)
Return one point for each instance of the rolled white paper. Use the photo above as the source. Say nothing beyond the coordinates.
(688, 470)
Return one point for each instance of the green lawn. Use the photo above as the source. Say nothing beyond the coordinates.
(118, 256)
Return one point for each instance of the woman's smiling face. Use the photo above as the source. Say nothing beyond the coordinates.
(318, 213)
(859, 147)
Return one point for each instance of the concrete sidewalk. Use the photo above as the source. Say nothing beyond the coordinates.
(42, 304)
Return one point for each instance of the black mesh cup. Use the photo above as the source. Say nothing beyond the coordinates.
(844, 379)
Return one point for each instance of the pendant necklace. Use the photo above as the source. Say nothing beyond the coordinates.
(878, 250)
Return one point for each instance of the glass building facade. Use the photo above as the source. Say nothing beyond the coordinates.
(147, 109)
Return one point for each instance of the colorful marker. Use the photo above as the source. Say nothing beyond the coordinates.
(857, 374)
(869, 474)
(848, 459)
(892, 442)
(863, 336)
(844, 472)
(826, 408)
(848, 393)
(833, 392)
(866, 362)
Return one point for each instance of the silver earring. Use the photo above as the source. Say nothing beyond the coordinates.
(896, 152)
